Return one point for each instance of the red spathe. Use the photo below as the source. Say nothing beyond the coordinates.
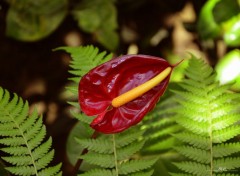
(105, 82)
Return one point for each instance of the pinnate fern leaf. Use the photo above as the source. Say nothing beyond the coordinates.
(103, 160)
(132, 166)
(99, 172)
(96, 145)
(210, 118)
(159, 125)
(146, 173)
(116, 157)
(128, 137)
(226, 149)
(23, 139)
(194, 168)
(193, 140)
(84, 58)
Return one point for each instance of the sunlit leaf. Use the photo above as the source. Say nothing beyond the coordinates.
(206, 25)
(232, 32)
(228, 69)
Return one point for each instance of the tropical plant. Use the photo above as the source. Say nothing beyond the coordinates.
(113, 153)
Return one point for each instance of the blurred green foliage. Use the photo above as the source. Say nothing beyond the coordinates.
(232, 32)
(228, 69)
(29, 20)
(2, 170)
(220, 18)
(33, 20)
(98, 17)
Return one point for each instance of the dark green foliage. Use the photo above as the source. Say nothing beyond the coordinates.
(209, 114)
(231, 9)
(30, 20)
(83, 59)
(33, 20)
(23, 139)
(99, 17)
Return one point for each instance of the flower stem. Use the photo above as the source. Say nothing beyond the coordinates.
(115, 154)
(79, 161)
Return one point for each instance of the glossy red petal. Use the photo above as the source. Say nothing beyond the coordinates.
(102, 84)
(119, 119)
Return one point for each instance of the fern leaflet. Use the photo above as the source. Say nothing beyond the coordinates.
(23, 138)
(159, 125)
(84, 58)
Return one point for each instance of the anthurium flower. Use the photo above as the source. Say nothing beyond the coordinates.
(123, 90)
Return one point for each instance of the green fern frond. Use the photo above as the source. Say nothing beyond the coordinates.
(225, 134)
(226, 149)
(199, 155)
(209, 115)
(226, 98)
(40, 151)
(22, 170)
(146, 173)
(226, 174)
(102, 160)
(99, 145)
(129, 150)
(194, 168)
(105, 152)
(54, 170)
(23, 140)
(84, 58)
(195, 127)
(74, 104)
(229, 163)
(225, 121)
(82, 117)
(159, 125)
(136, 165)
(99, 172)
(179, 174)
(193, 139)
(127, 137)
